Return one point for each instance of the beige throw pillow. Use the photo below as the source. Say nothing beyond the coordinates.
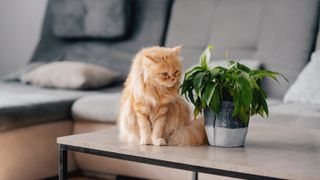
(69, 75)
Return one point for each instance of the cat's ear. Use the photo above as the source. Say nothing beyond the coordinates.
(176, 50)
(148, 58)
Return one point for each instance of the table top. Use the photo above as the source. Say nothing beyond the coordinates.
(276, 151)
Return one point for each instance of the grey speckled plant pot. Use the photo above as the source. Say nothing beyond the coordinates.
(222, 129)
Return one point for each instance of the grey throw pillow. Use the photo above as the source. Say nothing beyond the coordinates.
(70, 75)
(306, 88)
(90, 18)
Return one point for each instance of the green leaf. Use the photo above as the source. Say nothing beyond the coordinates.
(243, 115)
(237, 103)
(244, 68)
(197, 82)
(215, 72)
(215, 101)
(205, 57)
(261, 112)
(283, 77)
(184, 86)
(196, 112)
(254, 83)
(264, 105)
(189, 74)
(218, 69)
(231, 63)
(245, 90)
(203, 102)
(255, 101)
(210, 89)
(235, 65)
(190, 96)
(198, 104)
(208, 94)
(259, 74)
(263, 93)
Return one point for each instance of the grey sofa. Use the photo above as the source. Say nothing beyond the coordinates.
(281, 34)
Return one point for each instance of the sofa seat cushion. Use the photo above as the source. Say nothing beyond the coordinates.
(273, 102)
(292, 114)
(23, 105)
(105, 107)
(99, 107)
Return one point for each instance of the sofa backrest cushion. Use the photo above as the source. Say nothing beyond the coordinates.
(148, 28)
(317, 44)
(91, 18)
(279, 33)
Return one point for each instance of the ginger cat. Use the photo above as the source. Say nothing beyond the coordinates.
(151, 111)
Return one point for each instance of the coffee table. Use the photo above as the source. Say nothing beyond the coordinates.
(271, 152)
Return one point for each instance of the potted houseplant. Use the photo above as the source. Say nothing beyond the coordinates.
(227, 97)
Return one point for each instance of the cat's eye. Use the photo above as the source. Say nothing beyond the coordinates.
(176, 73)
(165, 74)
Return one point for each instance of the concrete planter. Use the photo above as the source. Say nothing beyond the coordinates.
(222, 129)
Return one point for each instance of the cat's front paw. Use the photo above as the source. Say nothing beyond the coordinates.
(145, 141)
(159, 142)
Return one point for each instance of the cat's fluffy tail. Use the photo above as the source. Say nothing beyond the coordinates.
(192, 134)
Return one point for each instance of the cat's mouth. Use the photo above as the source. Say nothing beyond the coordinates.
(169, 84)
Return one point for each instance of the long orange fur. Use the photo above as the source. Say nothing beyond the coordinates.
(151, 111)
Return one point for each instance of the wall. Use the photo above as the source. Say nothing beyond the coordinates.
(20, 26)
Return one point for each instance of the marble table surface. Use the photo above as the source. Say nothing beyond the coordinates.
(276, 151)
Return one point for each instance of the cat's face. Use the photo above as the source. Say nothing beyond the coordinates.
(163, 66)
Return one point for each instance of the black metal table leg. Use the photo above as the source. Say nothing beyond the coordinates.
(63, 163)
(63, 172)
(194, 175)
